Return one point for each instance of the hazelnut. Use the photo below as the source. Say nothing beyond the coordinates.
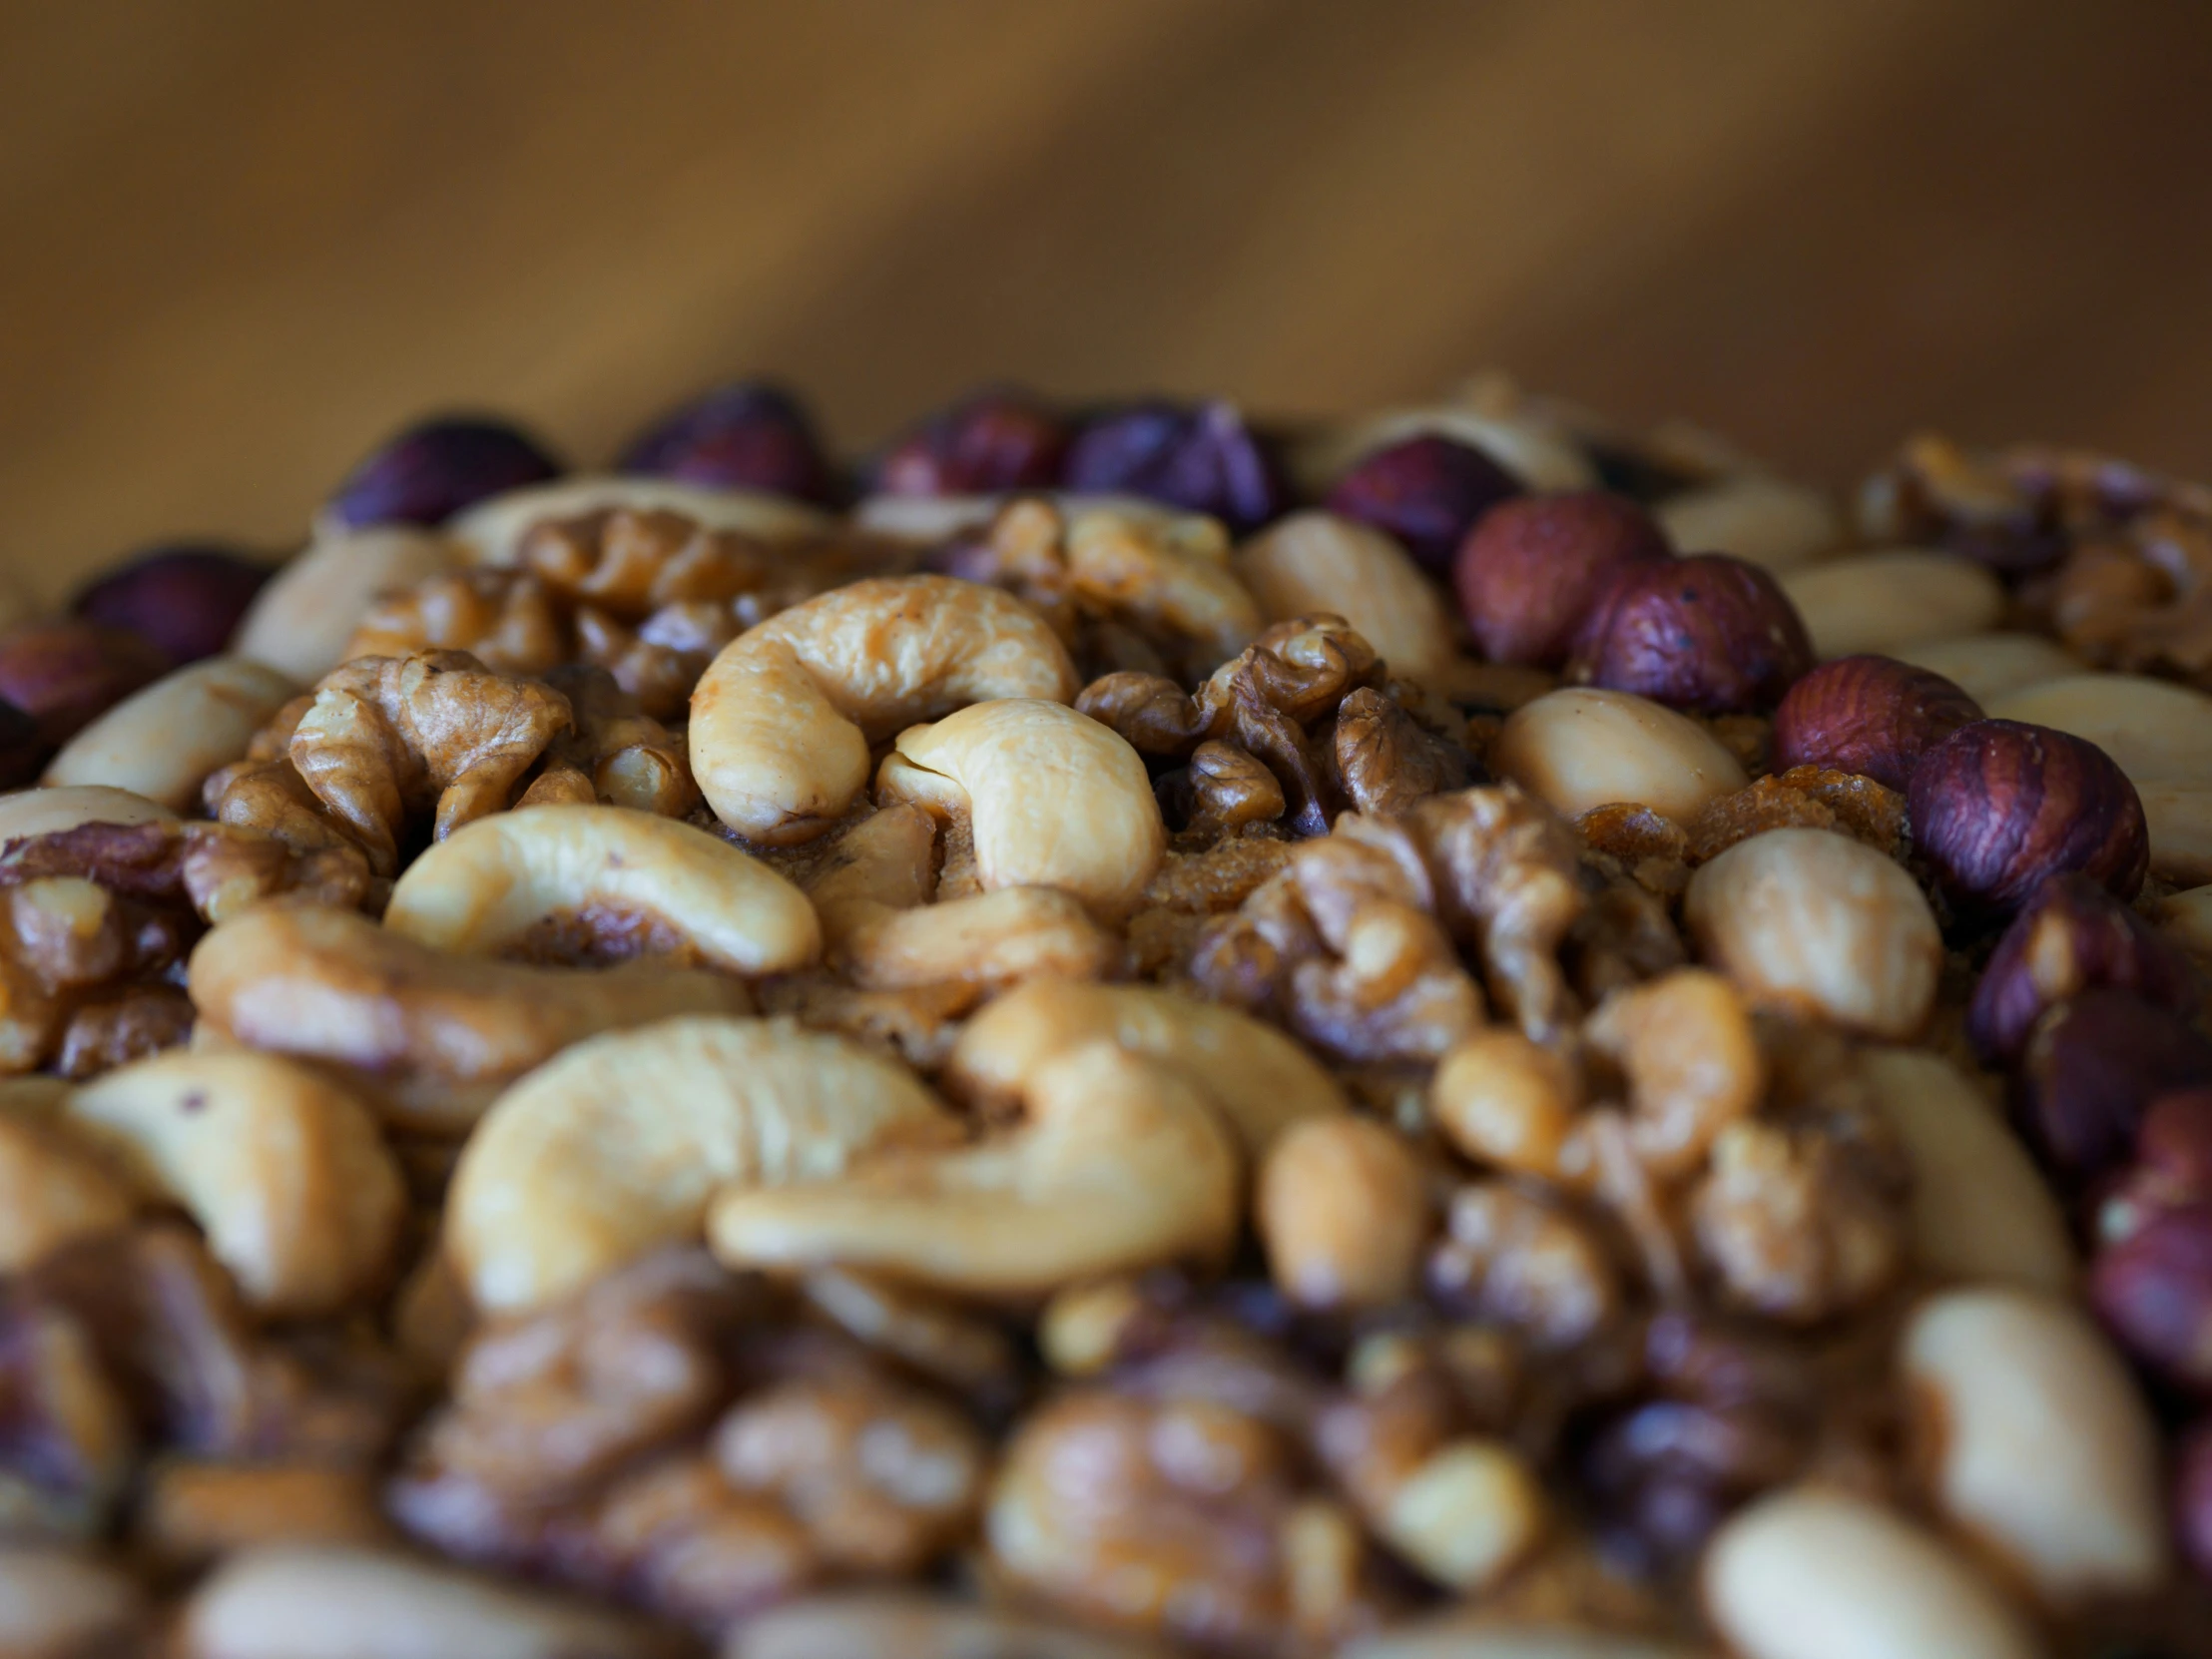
(2172, 1168)
(2193, 1498)
(2153, 1290)
(23, 747)
(66, 673)
(2071, 935)
(746, 435)
(2091, 1071)
(1428, 491)
(433, 469)
(1711, 633)
(1341, 1208)
(1530, 569)
(1577, 750)
(1872, 716)
(1816, 921)
(185, 600)
(994, 440)
(1998, 807)
(1203, 458)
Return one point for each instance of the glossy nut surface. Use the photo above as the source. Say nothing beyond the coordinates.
(1426, 491)
(429, 472)
(65, 673)
(1879, 601)
(1874, 716)
(1710, 633)
(187, 601)
(1528, 572)
(1583, 747)
(2071, 934)
(1200, 458)
(747, 436)
(997, 439)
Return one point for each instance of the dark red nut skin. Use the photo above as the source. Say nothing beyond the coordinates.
(2153, 1290)
(2172, 1168)
(66, 673)
(23, 748)
(746, 435)
(433, 469)
(994, 440)
(1426, 491)
(1530, 569)
(1204, 460)
(2193, 1499)
(1874, 716)
(184, 600)
(2070, 937)
(1999, 807)
(1710, 633)
(2091, 1072)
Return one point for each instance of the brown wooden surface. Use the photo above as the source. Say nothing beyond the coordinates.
(242, 239)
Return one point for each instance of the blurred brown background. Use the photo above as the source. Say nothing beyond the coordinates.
(244, 237)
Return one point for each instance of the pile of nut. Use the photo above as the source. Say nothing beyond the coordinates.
(1118, 1032)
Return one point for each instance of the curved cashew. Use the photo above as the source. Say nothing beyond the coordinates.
(436, 1033)
(162, 742)
(53, 1189)
(1693, 1065)
(286, 1173)
(491, 881)
(1056, 798)
(1122, 1165)
(1169, 569)
(1262, 1081)
(616, 1146)
(28, 813)
(491, 532)
(300, 621)
(782, 717)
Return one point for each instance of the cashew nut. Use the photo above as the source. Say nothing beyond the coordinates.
(491, 532)
(28, 813)
(488, 884)
(164, 740)
(434, 1034)
(908, 1624)
(1583, 747)
(1763, 520)
(1876, 601)
(286, 1173)
(1056, 798)
(1262, 1081)
(1987, 666)
(1121, 1165)
(1315, 562)
(53, 1189)
(782, 717)
(615, 1147)
(1166, 568)
(300, 621)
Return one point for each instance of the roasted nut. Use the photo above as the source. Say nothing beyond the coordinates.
(1512, 1259)
(496, 531)
(1809, 1572)
(1990, 666)
(1464, 1633)
(1469, 1515)
(1710, 633)
(1820, 923)
(2193, 1499)
(2153, 1290)
(185, 601)
(56, 1604)
(1874, 716)
(66, 674)
(54, 1188)
(1487, 414)
(2172, 1168)
(29, 815)
(301, 620)
(427, 472)
(1581, 749)
(782, 717)
(2042, 1449)
(1684, 1043)
(1765, 521)
(1504, 1100)
(1981, 1211)
(193, 1512)
(1998, 807)
(2071, 935)
(912, 1624)
(1530, 570)
(1200, 458)
(566, 1178)
(495, 883)
(996, 439)
(1882, 601)
(2092, 1068)
(162, 742)
(1314, 563)
(1426, 491)
(1341, 1209)
(745, 435)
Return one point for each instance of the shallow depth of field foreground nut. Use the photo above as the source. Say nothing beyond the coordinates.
(616, 1146)
(1120, 1165)
(164, 740)
(1055, 799)
(285, 1171)
(1583, 747)
(782, 717)
(490, 882)
(1817, 922)
(1818, 1574)
(2043, 1447)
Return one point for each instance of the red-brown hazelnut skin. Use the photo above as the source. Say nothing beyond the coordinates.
(1871, 714)
(2153, 1289)
(1710, 633)
(2071, 935)
(1428, 491)
(2091, 1074)
(2172, 1169)
(65, 673)
(1999, 807)
(1530, 568)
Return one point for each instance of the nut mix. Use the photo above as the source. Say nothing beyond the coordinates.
(1400, 1039)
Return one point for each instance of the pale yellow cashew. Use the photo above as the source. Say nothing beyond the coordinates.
(488, 884)
(285, 1171)
(1121, 1165)
(491, 532)
(615, 1147)
(782, 717)
(1055, 799)
(164, 740)
(1262, 1081)
(31, 812)
(301, 622)
(52, 1189)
